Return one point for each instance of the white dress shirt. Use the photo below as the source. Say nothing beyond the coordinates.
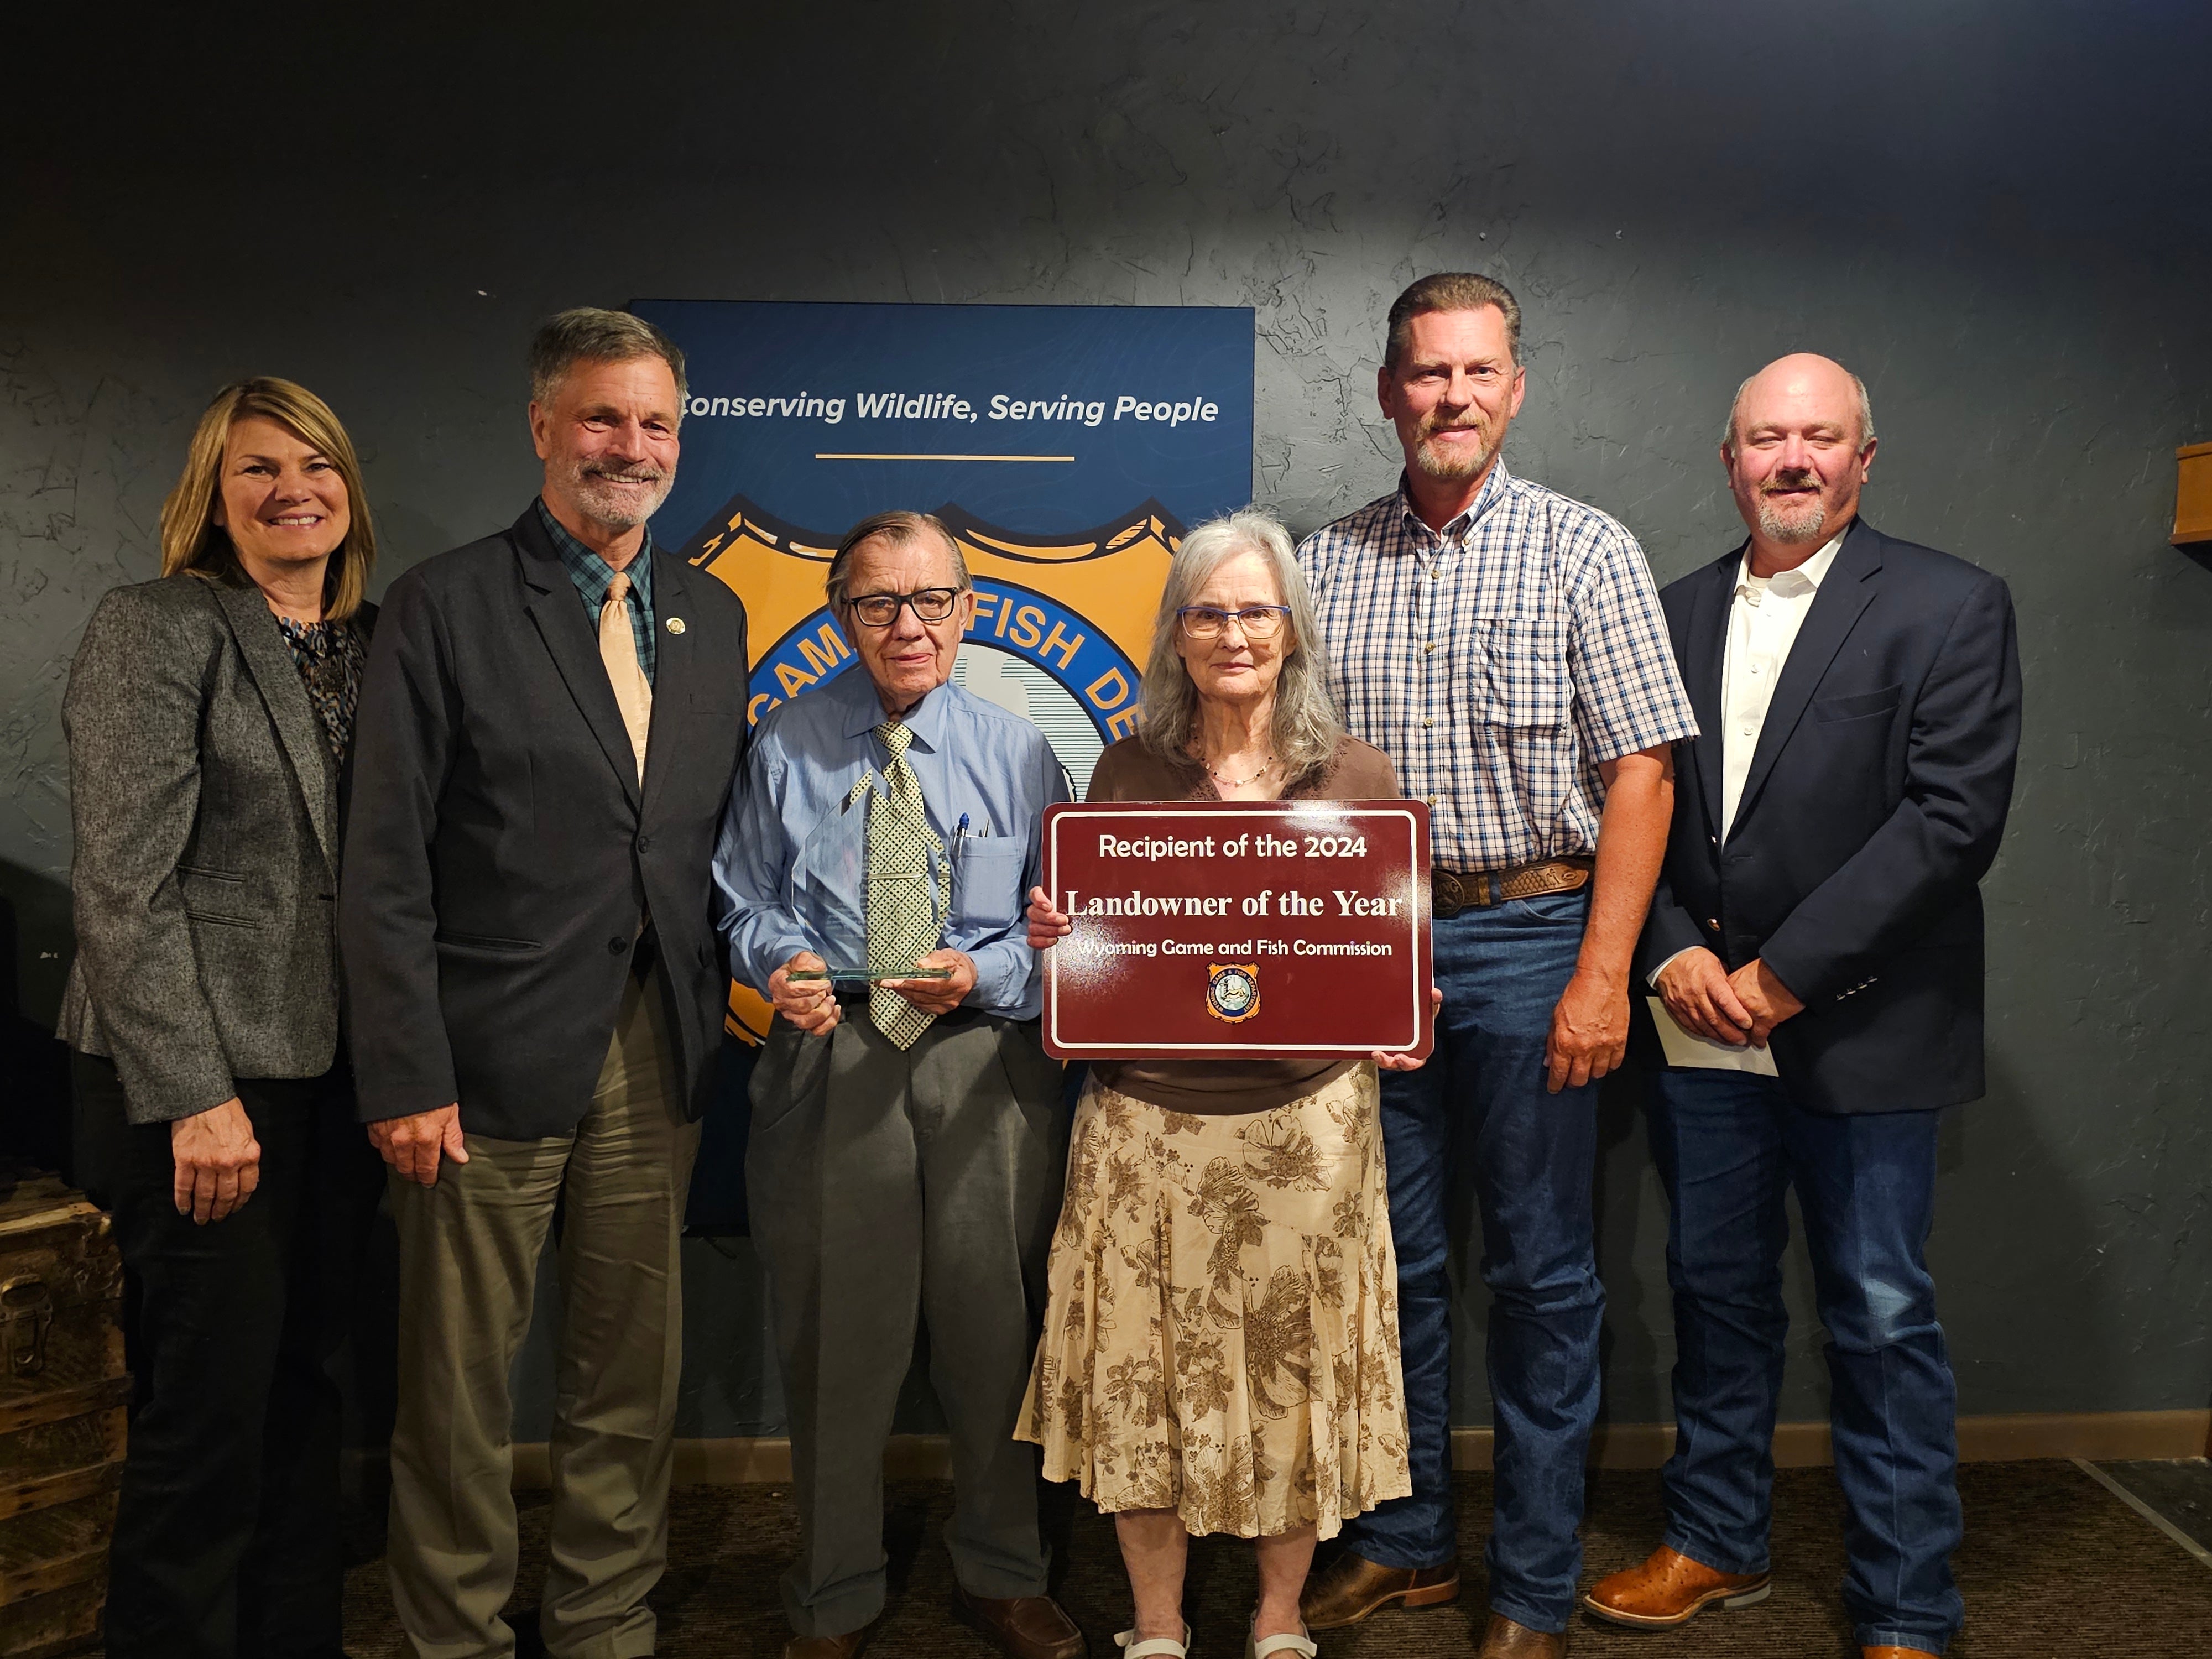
(1764, 618)
(1763, 622)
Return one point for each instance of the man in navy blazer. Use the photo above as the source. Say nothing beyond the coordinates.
(1817, 937)
(549, 724)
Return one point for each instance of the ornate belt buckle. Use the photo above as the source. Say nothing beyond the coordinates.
(1444, 889)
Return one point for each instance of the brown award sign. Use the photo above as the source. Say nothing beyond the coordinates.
(1238, 930)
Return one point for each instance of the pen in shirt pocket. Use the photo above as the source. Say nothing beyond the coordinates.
(964, 833)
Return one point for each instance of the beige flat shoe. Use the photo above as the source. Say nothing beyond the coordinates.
(1160, 1645)
(1259, 1647)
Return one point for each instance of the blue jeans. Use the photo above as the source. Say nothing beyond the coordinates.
(1726, 1144)
(1479, 1107)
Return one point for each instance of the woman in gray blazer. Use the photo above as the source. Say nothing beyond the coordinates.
(209, 716)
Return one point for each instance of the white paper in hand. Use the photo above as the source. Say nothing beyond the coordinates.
(1688, 1048)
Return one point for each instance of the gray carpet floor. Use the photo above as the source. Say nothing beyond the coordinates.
(2053, 1565)
(2180, 1490)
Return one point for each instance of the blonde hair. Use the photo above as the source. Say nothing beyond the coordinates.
(190, 538)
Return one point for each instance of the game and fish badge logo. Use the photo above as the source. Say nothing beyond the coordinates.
(1232, 991)
(1074, 443)
(1063, 626)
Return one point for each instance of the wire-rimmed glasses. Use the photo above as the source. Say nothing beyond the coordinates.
(1254, 622)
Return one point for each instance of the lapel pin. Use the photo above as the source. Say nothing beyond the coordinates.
(675, 624)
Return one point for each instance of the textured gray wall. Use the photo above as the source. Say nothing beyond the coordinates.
(1999, 215)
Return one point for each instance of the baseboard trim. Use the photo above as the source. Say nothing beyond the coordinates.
(2098, 1436)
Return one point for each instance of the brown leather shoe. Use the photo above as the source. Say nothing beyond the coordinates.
(1353, 1587)
(1668, 1588)
(827, 1647)
(1504, 1639)
(1020, 1626)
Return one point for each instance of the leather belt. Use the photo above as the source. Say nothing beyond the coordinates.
(1452, 891)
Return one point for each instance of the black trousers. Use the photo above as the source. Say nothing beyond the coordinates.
(227, 1526)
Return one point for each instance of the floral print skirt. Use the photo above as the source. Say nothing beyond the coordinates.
(1221, 1337)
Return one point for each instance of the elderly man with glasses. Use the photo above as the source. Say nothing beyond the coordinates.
(908, 1133)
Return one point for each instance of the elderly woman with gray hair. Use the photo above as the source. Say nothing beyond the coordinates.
(1220, 1346)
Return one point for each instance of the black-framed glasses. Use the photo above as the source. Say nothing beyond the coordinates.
(1255, 621)
(931, 605)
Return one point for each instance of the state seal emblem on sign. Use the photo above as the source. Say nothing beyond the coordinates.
(1232, 990)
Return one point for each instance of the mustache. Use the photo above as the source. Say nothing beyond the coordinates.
(643, 473)
(1797, 479)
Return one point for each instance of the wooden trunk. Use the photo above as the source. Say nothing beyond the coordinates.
(64, 1394)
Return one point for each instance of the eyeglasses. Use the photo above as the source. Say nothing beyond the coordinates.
(931, 605)
(1258, 622)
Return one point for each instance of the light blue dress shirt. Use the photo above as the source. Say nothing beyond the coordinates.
(975, 761)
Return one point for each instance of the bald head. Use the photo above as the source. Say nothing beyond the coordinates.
(1799, 445)
(1802, 377)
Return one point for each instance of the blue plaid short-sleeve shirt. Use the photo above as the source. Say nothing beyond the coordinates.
(1498, 664)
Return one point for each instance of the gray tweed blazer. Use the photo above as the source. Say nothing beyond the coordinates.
(205, 805)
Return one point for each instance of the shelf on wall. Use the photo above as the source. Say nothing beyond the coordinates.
(2192, 498)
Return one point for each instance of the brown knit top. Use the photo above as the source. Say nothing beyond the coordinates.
(1222, 1088)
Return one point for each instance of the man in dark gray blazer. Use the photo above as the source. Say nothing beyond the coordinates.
(550, 723)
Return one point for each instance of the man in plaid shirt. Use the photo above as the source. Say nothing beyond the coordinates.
(1505, 646)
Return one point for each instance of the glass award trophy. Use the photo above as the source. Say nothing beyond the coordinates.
(829, 892)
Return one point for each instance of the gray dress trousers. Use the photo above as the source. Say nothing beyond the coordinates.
(887, 1186)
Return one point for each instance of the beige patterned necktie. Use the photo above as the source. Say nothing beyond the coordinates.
(903, 925)
(618, 650)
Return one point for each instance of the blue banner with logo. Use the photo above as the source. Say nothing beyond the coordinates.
(1068, 448)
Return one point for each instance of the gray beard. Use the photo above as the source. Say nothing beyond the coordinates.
(1792, 528)
(604, 506)
(1433, 465)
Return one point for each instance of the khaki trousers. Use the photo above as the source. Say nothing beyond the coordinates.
(469, 1249)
